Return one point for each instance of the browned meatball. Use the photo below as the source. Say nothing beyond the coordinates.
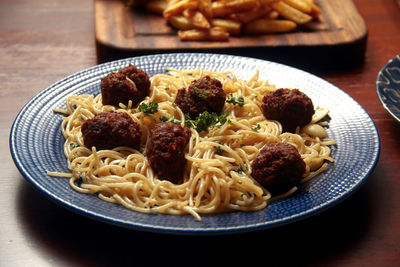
(166, 151)
(278, 167)
(108, 130)
(290, 107)
(204, 94)
(127, 84)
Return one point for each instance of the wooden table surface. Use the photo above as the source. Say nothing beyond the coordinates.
(44, 41)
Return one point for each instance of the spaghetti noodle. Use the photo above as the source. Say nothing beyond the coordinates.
(218, 172)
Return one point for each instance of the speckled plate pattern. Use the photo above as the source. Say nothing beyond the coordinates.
(36, 145)
(388, 87)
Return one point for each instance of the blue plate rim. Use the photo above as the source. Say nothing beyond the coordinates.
(180, 230)
(379, 87)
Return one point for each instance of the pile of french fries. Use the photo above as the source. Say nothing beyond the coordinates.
(216, 20)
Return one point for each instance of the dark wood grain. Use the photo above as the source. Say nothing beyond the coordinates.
(44, 41)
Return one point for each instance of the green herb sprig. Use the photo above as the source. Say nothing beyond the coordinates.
(256, 128)
(73, 145)
(150, 108)
(218, 150)
(172, 119)
(199, 94)
(235, 100)
(206, 121)
(240, 170)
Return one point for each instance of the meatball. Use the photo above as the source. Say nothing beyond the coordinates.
(108, 130)
(204, 94)
(166, 150)
(278, 167)
(290, 107)
(127, 84)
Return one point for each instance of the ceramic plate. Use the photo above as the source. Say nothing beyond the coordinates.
(388, 87)
(36, 145)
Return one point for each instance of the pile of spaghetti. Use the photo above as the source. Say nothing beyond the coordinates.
(218, 172)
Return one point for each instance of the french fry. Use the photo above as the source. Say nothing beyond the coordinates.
(233, 27)
(206, 8)
(176, 7)
(200, 21)
(224, 7)
(213, 34)
(242, 5)
(266, 26)
(315, 10)
(291, 13)
(266, 2)
(246, 17)
(300, 5)
(216, 20)
(197, 19)
(157, 6)
(180, 23)
(219, 9)
(218, 34)
(272, 15)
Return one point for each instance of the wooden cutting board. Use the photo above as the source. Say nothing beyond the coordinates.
(121, 27)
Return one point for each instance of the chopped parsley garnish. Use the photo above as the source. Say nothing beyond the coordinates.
(206, 120)
(218, 150)
(258, 127)
(240, 170)
(150, 108)
(172, 119)
(223, 118)
(235, 100)
(199, 94)
(74, 145)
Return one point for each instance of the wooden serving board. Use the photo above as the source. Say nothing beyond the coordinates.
(121, 27)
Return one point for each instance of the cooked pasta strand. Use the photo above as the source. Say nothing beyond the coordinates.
(218, 172)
